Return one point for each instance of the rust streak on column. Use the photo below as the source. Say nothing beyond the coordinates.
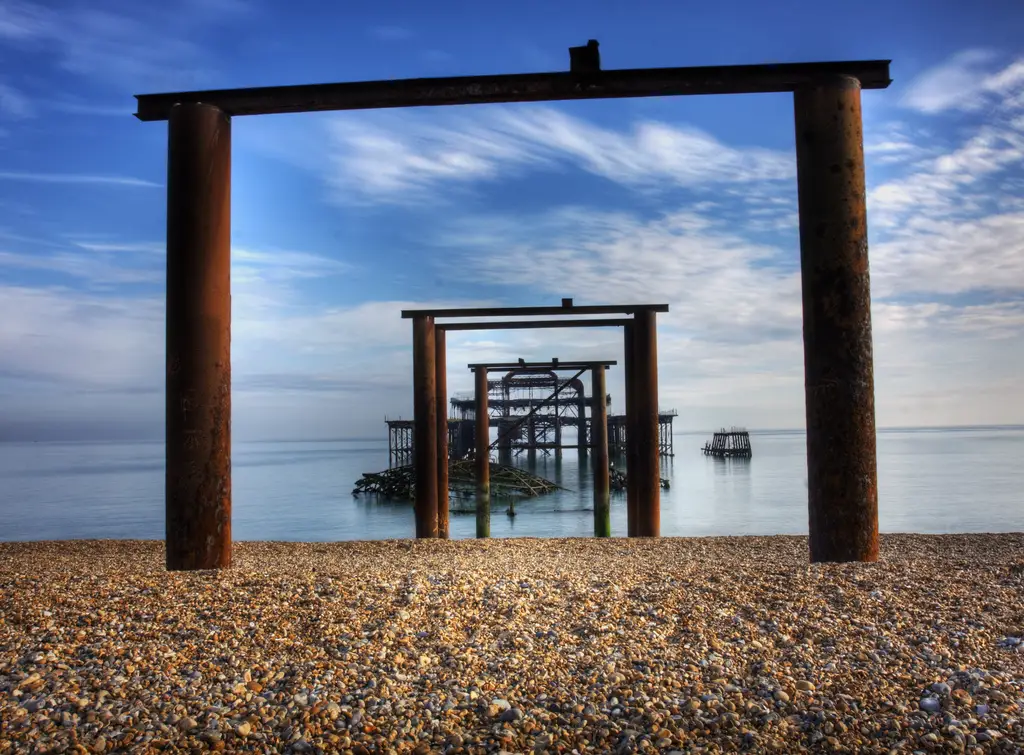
(838, 370)
(645, 427)
(627, 367)
(424, 425)
(198, 390)
(482, 454)
(599, 438)
(441, 386)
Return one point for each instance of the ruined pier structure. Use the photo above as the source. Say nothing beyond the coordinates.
(430, 427)
(521, 391)
(838, 371)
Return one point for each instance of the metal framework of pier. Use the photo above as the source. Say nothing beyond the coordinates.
(838, 371)
(430, 426)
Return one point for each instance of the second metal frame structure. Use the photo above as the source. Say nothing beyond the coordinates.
(430, 427)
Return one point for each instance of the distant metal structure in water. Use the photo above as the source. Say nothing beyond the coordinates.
(729, 443)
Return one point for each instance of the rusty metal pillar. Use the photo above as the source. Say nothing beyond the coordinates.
(838, 371)
(599, 437)
(198, 390)
(441, 388)
(581, 426)
(482, 454)
(424, 379)
(630, 387)
(647, 465)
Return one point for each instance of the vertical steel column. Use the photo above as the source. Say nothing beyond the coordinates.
(482, 454)
(599, 437)
(581, 426)
(424, 378)
(627, 368)
(197, 492)
(645, 426)
(838, 371)
(441, 388)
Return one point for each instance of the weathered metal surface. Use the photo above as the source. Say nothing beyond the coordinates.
(441, 389)
(646, 469)
(482, 454)
(198, 390)
(532, 87)
(534, 324)
(838, 370)
(531, 366)
(593, 309)
(599, 439)
(630, 389)
(424, 426)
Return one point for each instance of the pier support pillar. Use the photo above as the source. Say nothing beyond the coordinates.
(599, 438)
(581, 426)
(645, 425)
(197, 493)
(424, 378)
(482, 454)
(838, 369)
(630, 388)
(441, 390)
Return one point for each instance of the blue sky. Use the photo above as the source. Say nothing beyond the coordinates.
(341, 220)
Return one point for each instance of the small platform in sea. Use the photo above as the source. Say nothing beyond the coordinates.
(729, 443)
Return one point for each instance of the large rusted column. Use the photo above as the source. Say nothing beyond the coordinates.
(630, 387)
(482, 454)
(198, 390)
(599, 437)
(647, 465)
(838, 372)
(424, 379)
(441, 388)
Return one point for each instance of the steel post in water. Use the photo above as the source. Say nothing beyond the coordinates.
(441, 388)
(646, 467)
(599, 438)
(424, 378)
(482, 454)
(628, 371)
(838, 370)
(198, 389)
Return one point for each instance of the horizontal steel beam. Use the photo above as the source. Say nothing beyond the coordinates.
(559, 365)
(531, 324)
(530, 87)
(599, 309)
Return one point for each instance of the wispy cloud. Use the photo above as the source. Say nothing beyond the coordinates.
(392, 160)
(391, 33)
(13, 103)
(129, 44)
(965, 82)
(74, 178)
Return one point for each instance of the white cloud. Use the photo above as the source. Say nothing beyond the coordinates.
(965, 83)
(387, 159)
(74, 178)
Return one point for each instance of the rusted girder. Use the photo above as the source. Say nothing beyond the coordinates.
(482, 427)
(838, 371)
(198, 392)
(646, 467)
(424, 376)
(530, 87)
(599, 441)
(589, 309)
(441, 412)
(593, 322)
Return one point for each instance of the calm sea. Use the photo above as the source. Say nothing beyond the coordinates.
(930, 481)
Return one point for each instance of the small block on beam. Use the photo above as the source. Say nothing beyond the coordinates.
(567, 303)
(522, 362)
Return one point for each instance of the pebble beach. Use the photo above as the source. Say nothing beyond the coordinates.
(517, 646)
